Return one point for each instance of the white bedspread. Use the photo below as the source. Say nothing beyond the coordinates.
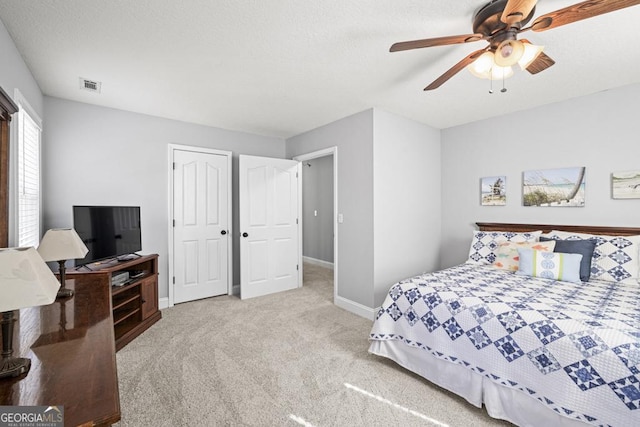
(573, 347)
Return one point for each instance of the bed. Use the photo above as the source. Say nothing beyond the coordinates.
(531, 349)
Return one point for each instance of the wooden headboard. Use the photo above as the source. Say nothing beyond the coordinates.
(612, 231)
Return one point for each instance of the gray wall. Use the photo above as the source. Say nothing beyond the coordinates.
(406, 200)
(389, 193)
(353, 136)
(599, 131)
(317, 208)
(15, 74)
(96, 155)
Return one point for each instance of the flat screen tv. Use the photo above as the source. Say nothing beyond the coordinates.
(108, 231)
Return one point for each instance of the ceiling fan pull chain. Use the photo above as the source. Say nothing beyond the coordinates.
(491, 83)
(504, 89)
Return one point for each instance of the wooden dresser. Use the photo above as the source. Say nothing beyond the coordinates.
(135, 303)
(73, 357)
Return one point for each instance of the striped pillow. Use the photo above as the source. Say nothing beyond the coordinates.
(550, 265)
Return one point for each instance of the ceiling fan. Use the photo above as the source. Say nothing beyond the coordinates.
(499, 22)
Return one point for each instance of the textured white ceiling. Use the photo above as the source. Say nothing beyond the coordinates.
(282, 67)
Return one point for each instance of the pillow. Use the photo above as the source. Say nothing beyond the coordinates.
(507, 257)
(615, 258)
(580, 246)
(550, 265)
(485, 243)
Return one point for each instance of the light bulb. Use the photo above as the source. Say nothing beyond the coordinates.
(509, 52)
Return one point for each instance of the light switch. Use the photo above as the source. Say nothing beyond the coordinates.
(315, 213)
(340, 218)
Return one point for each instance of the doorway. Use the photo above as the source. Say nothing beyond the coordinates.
(319, 218)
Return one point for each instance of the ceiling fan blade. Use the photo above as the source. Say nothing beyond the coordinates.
(579, 11)
(541, 63)
(455, 69)
(516, 10)
(438, 41)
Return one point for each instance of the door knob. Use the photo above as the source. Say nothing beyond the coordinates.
(223, 232)
(245, 234)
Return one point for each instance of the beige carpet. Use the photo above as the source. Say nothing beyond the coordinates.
(288, 359)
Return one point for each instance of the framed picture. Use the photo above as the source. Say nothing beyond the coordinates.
(554, 187)
(625, 185)
(493, 191)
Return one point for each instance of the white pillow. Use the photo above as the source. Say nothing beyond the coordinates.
(615, 258)
(484, 244)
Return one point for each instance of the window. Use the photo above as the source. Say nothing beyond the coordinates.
(28, 175)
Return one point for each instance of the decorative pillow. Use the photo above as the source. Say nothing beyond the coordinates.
(615, 258)
(584, 247)
(485, 244)
(550, 265)
(507, 257)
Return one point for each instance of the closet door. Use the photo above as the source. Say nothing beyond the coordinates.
(201, 238)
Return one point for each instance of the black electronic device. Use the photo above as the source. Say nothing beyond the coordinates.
(108, 231)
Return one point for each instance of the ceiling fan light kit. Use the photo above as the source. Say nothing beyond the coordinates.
(499, 22)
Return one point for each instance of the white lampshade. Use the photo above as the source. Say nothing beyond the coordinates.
(25, 279)
(60, 244)
(481, 67)
(531, 52)
(499, 73)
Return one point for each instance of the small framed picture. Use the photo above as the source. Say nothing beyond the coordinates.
(625, 185)
(493, 191)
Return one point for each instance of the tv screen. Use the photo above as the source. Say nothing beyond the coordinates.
(108, 231)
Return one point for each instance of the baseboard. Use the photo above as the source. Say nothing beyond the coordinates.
(163, 303)
(355, 308)
(315, 261)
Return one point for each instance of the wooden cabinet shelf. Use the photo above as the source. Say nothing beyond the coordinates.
(134, 304)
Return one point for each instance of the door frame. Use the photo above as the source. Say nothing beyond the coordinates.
(172, 149)
(310, 156)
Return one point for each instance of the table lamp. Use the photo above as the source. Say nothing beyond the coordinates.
(61, 244)
(25, 281)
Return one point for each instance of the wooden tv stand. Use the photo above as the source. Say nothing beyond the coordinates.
(134, 304)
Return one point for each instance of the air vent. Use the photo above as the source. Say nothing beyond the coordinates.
(90, 85)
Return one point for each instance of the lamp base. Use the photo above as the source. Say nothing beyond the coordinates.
(14, 367)
(64, 293)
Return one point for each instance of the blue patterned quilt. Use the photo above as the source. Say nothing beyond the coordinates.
(573, 347)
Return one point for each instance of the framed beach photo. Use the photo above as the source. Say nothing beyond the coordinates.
(625, 185)
(554, 187)
(493, 191)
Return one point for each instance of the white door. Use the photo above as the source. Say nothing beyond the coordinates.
(202, 224)
(269, 232)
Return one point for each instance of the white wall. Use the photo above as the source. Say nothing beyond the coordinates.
(317, 209)
(100, 156)
(406, 200)
(599, 131)
(353, 136)
(14, 73)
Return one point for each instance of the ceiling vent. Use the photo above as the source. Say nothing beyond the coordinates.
(90, 85)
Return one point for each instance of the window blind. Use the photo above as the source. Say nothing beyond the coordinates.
(28, 180)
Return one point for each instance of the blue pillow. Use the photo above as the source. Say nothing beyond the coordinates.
(582, 247)
(549, 265)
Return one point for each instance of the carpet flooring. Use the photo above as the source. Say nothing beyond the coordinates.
(287, 359)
